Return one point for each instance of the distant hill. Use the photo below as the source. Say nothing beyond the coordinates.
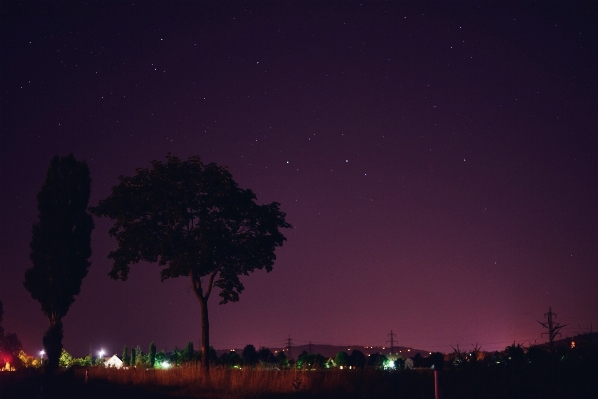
(580, 339)
(332, 350)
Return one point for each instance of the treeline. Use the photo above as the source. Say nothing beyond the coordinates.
(137, 358)
(250, 356)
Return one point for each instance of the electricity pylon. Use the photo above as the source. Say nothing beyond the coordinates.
(392, 342)
(289, 347)
(553, 328)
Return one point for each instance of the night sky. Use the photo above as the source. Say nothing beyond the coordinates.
(438, 163)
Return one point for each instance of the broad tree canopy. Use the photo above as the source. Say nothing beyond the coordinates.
(193, 219)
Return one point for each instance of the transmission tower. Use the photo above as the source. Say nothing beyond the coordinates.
(392, 341)
(289, 347)
(553, 327)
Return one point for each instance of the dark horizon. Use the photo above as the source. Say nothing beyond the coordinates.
(437, 162)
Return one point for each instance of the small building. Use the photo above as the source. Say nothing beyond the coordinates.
(113, 361)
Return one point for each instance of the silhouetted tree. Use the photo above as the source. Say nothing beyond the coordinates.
(377, 360)
(175, 356)
(140, 358)
(310, 361)
(341, 359)
(357, 359)
(60, 246)
(399, 363)
(281, 359)
(188, 352)
(10, 346)
(250, 355)
(151, 356)
(234, 359)
(265, 355)
(161, 357)
(436, 360)
(537, 354)
(212, 357)
(126, 358)
(133, 357)
(418, 360)
(231, 358)
(195, 220)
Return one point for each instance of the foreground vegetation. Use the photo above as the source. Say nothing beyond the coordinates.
(517, 372)
(225, 383)
(554, 376)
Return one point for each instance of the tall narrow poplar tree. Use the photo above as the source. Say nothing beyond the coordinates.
(60, 246)
(151, 355)
(125, 358)
(133, 359)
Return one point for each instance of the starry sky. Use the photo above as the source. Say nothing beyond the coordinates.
(438, 163)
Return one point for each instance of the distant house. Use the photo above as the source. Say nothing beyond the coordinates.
(113, 361)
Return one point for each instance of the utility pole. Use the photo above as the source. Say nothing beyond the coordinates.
(392, 341)
(289, 347)
(553, 328)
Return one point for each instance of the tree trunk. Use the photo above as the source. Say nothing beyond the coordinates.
(53, 345)
(205, 333)
(205, 324)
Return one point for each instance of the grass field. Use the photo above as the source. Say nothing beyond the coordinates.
(220, 383)
(548, 380)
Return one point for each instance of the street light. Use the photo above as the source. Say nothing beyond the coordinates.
(41, 354)
(102, 354)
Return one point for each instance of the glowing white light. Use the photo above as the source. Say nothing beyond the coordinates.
(165, 365)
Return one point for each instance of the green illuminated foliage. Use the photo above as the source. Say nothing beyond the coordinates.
(65, 360)
(281, 359)
(140, 357)
(151, 356)
(341, 359)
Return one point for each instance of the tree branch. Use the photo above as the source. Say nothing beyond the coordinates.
(196, 284)
(211, 282)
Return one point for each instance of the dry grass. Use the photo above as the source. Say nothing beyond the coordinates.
(193, 381)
